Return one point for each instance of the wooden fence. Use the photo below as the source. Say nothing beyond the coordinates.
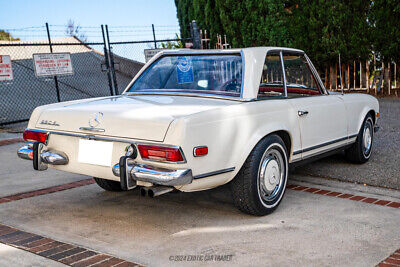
(367, 76)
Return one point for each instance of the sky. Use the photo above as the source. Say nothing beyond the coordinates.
(127, 20)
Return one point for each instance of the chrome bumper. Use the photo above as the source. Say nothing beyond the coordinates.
(155, 175)
(45, 156)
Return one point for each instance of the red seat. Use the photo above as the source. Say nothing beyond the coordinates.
(293, 90)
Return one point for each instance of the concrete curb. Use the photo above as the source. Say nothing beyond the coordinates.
(10, 141)
(69, 254)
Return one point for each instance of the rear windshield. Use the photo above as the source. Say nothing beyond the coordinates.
(203, 74)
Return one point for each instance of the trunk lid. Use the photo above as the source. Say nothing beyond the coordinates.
(138, 117)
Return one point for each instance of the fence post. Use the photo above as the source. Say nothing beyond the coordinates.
(361, 82)
(389, 78)
(367, 74)
(106, 61)
(114, 77)
(354, 75)
(154, 36)
(194, 31)
(51, 51)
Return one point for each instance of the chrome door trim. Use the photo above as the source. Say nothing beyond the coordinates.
(284, 73)
(324, 144)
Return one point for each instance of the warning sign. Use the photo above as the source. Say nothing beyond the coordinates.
(52, 64)
(149, 53)
(6, 73)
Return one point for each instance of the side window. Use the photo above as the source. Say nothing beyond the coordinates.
(271, 84)
(299, 79)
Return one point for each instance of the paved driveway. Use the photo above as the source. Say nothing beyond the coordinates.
(313, 225)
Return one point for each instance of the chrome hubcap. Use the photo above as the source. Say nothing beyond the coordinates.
(367, 138)
(270, 174)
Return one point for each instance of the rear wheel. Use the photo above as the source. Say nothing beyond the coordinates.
(360, 151)
(260, 184)
(108, 185)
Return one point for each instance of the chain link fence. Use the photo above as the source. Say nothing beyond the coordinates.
(99, 69)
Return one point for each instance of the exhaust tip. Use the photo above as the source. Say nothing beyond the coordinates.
(143, 192)
(150, 193)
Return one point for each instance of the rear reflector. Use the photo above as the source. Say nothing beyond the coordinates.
(34, 136)
(159, 153)
(200, 151)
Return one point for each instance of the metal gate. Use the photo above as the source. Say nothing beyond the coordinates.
(99, 69)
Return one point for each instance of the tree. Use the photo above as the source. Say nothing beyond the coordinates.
(183, 15)
(170, 45)
(203, 11)
(254, 23)
(326, 28)
(75, 30)
(384, 18)
(246, 22)
(7, 36)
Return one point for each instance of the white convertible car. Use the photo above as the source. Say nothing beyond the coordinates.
(194, 120)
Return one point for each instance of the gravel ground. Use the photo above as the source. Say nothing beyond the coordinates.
(383, 169)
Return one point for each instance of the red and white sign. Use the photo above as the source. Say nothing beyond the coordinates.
(6, 73)
(52, 64)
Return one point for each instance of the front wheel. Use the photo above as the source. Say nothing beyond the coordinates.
(260, 184)
(360, 151)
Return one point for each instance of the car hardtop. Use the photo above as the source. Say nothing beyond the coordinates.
(255, 56)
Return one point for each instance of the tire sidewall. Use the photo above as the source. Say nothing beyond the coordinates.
(361, 138)
(269, 142)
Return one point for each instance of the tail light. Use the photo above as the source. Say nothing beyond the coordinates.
(35, 136)
(160, 153)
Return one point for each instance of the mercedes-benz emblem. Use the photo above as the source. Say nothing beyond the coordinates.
(95, 119)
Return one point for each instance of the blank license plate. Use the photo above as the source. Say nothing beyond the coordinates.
(95, 152)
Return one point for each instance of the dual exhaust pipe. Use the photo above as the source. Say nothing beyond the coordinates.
(155, 191)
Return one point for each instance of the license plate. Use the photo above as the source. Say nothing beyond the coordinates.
(95, 152)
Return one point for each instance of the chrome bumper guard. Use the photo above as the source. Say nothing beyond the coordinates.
(42, 157)
(154, 175)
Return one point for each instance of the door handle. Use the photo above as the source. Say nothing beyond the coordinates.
(302, 112)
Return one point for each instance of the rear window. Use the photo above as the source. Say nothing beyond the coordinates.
(204, 74)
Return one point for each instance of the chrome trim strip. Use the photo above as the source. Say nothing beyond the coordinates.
(243, 73)
(316, 75)
(238, 52)
(323, 144)
(121, 140)
(93, 137)
(189, 95)
(283, 72)
(204, 175)
(323, 151)
(92, 129)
